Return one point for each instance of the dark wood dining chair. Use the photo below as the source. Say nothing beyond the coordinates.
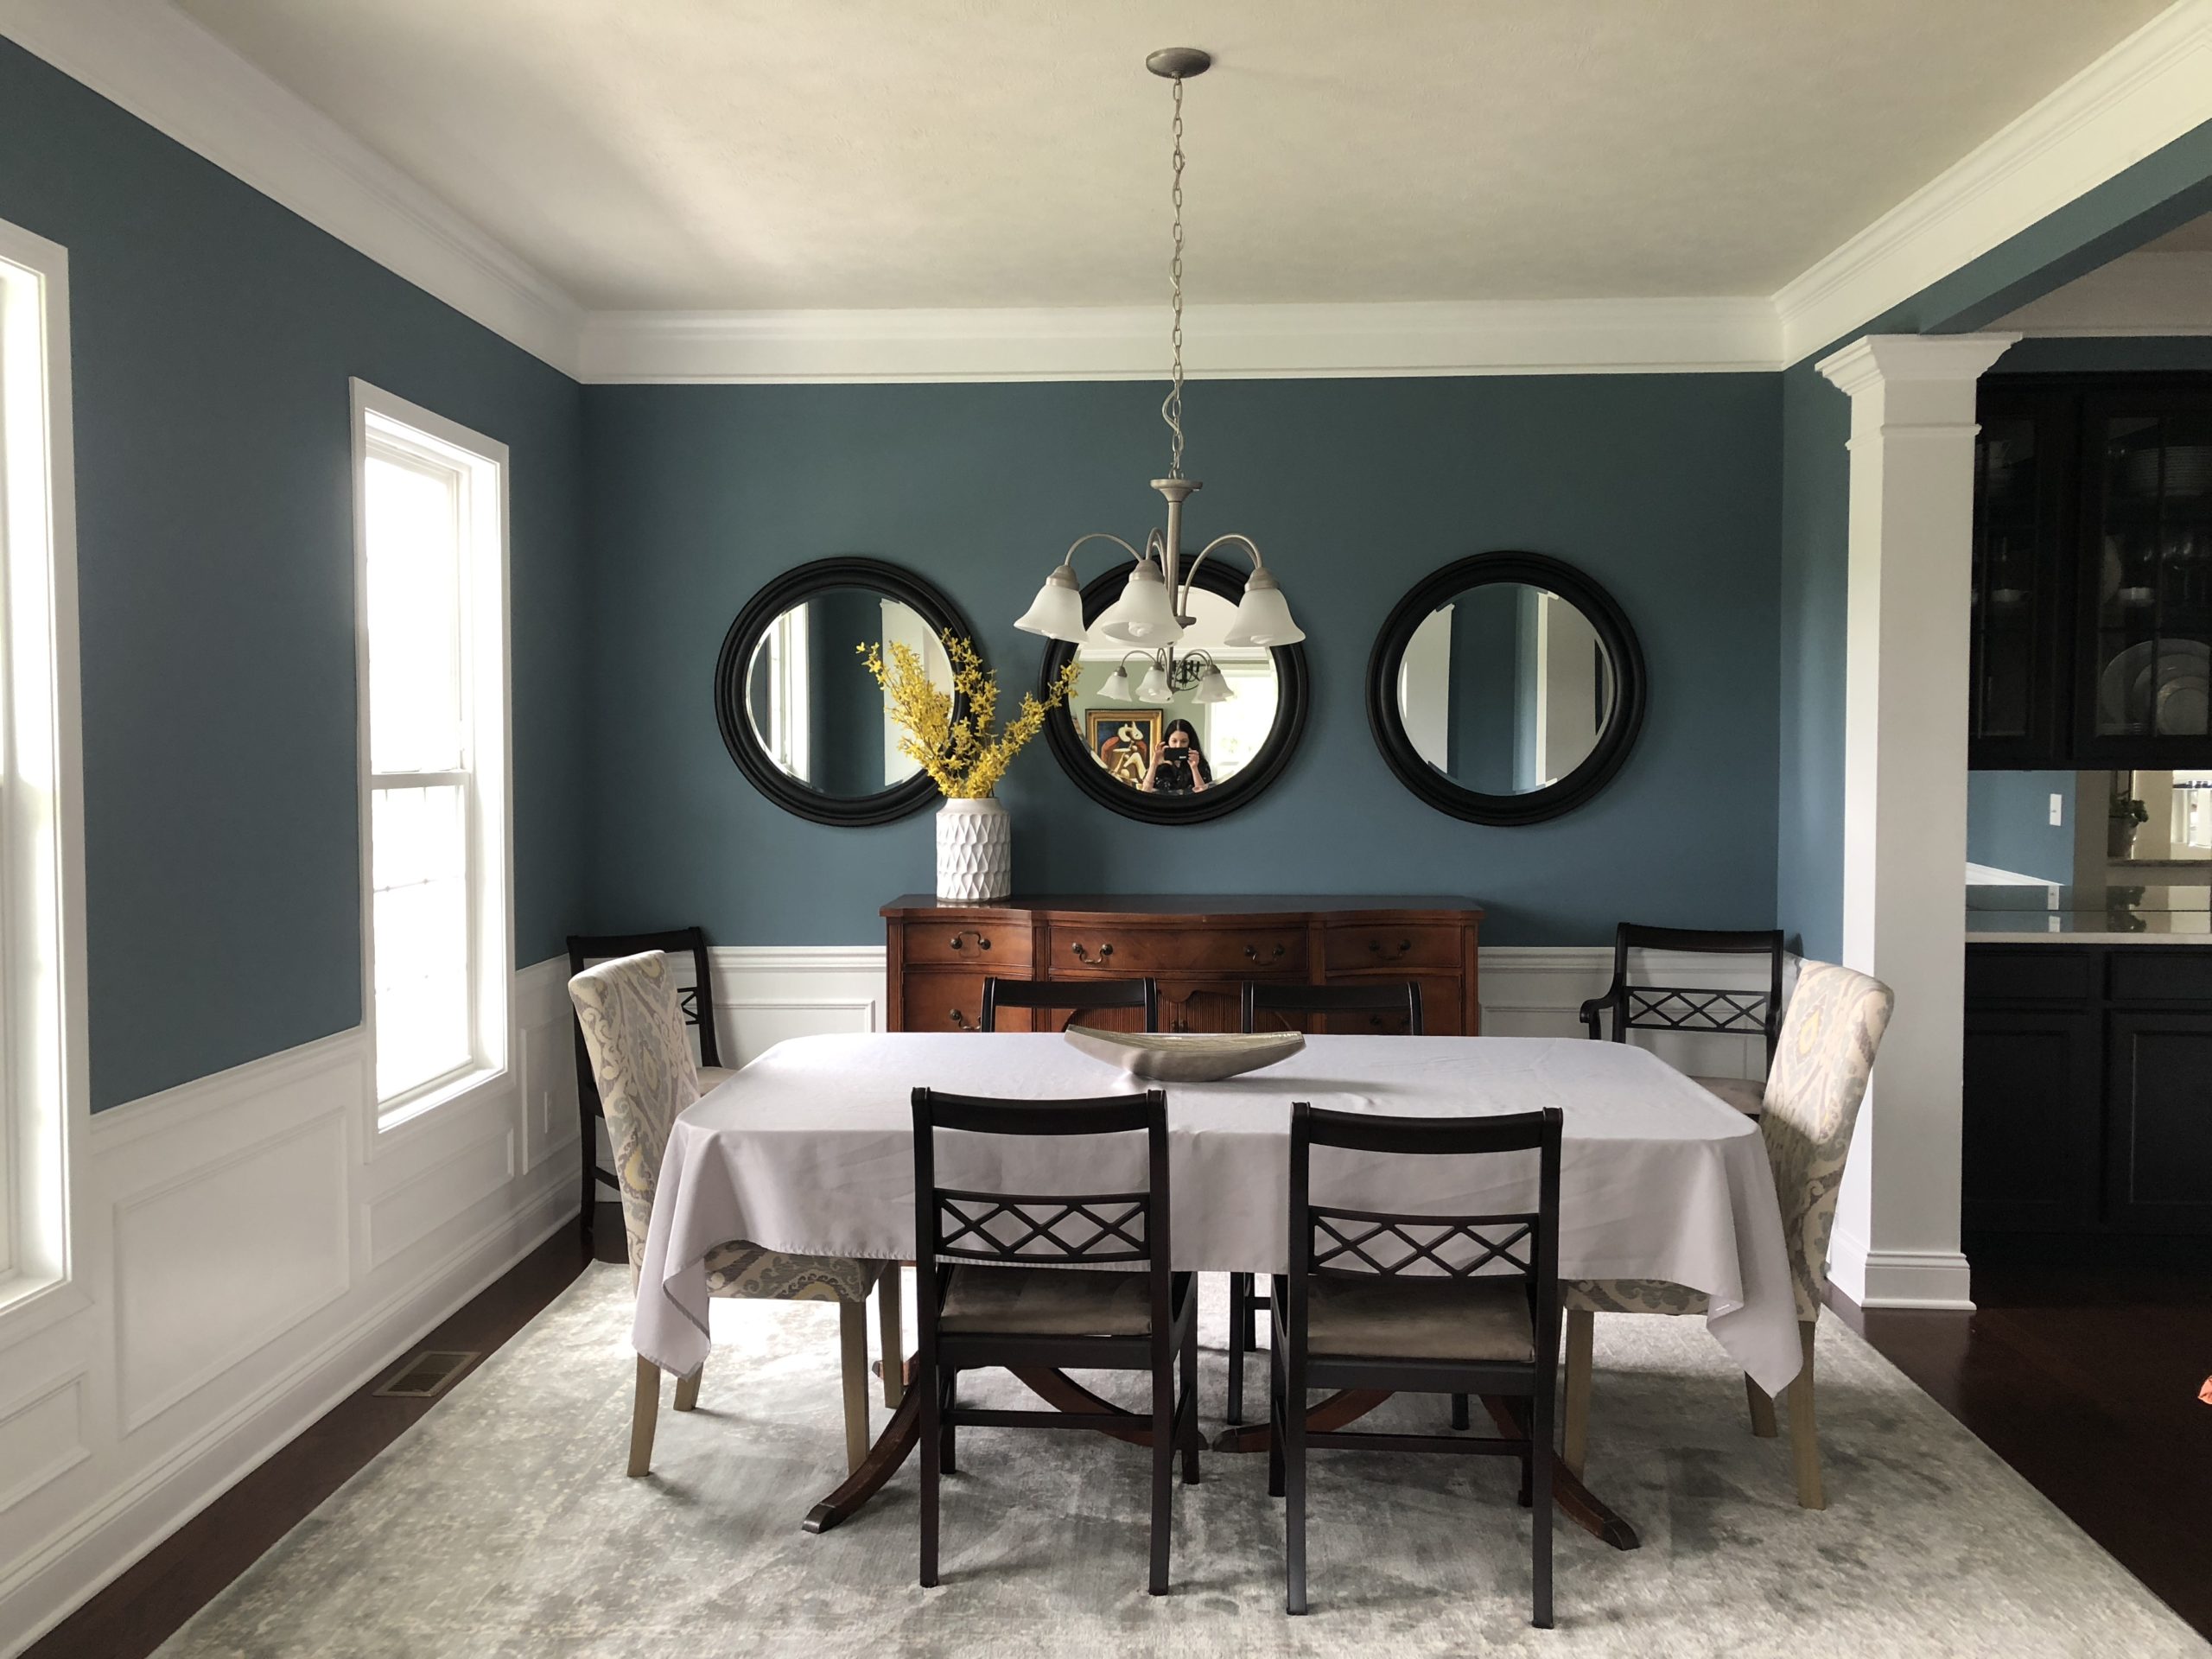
(683, 946)
(1070, 996)
(1011, 1280)
(1695, 1008)
(1387, 1000)
(1401, 1302)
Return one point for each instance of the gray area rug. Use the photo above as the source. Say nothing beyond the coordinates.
(502, 1524)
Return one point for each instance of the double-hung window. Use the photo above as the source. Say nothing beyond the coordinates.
(42, 1045)
(431, 600)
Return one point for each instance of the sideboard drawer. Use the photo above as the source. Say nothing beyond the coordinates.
(1440, 1015)
(979, 943)
(1406, 945)
(1260, 949)
(950, 1002)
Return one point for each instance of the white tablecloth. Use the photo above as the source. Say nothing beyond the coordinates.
(811, 1148)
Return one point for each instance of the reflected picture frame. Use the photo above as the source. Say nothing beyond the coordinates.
(1123, 741)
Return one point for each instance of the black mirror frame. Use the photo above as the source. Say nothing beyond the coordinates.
(1290, 699)
(900, 801)
(1614, 743)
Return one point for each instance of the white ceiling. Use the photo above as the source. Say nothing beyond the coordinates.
(748, 154)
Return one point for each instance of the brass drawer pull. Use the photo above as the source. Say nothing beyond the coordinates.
(960, 1022)
(1252, 951)
(1081, 954)
(960, 939)
(1404, 945)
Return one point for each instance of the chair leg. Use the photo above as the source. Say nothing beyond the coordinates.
(1458, 1411)
(891, 1320)
(1189, 1409)
(852, 1363)
(1240, 1299)
(1274, 1423)
(687, 1387)
(1804, 1438)
(949, 1391)
(1761, 1405)
(1540, 1510)
(1163, 1465)
(589, 1142)
(1293, 1434)
(925, 1379)
(643, 1411)
(1581, 1335)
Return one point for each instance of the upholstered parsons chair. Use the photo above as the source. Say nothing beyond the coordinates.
(633, 1031)
(1822, 1063)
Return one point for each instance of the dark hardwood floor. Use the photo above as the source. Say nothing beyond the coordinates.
(143, 1607)
(2084, 1376)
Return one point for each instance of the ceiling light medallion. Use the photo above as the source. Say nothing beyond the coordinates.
(1153, 608)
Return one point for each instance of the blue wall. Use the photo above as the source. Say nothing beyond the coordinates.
(1663, 487)
(2009, 827)
(2164, 190)
(214, 333)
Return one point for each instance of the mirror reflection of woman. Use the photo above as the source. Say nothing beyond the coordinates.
(1180, 766)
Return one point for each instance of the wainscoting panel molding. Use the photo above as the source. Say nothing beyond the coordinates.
(248, 1265)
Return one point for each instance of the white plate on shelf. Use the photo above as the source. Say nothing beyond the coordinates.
(2127, 698)
(1185, 1056)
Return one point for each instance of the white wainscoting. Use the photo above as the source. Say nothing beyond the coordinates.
(247, 1263)
(765, 994)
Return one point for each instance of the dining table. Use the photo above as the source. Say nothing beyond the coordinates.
(810, 1149)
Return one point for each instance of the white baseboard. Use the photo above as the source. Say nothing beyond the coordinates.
(173, 1378)
(1905, 1279)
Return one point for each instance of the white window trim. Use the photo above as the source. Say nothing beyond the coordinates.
(492, 810)
(45, 1097)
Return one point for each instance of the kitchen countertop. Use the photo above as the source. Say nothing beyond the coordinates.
(2173, 914)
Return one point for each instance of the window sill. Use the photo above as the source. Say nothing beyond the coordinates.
(414, 1112)
(31, 1304)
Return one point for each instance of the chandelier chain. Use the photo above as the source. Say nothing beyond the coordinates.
(1172, 410)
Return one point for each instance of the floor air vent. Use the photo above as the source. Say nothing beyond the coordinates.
(427, 1375)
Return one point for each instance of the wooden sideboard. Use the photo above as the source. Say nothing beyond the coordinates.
(1199, 948)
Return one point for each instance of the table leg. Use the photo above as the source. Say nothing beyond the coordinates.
(1575, 1500)
(892, 1448)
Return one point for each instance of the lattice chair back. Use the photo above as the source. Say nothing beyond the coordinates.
(1068, 1230)
(1744, 1011)
(1331, 1243)
(634, 1031)
(1822, 1065)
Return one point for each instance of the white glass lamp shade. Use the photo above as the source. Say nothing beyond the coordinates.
(1262, 616)
(1141, 616)
(1155, 687)
(1057, 612)
(1213, 687)
(1116, 689)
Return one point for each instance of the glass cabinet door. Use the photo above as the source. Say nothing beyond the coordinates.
(2017, 714)
(2147, 612)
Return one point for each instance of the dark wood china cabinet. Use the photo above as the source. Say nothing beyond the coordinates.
(2092, 598)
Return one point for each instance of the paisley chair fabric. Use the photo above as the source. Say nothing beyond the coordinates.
(641, 1058)
(1822, 1065)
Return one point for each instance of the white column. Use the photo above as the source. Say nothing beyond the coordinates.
(1904, 800)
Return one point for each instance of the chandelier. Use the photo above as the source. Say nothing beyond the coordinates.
(1153, 608)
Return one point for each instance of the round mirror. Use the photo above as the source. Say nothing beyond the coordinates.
(1506, 688)
(798, 711)
(1183, 732)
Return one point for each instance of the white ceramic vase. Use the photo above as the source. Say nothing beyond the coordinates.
(975, 852)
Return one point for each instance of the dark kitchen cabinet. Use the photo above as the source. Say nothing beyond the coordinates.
(2092, 598)
(2088, 1103)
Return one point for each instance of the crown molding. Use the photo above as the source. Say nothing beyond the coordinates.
(1226, 341)
(2148, 91)
(157, 64)
(2150, 294)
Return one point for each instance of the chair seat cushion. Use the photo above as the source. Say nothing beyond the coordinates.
(1413, 1318)
(711, 1075)
(740, 1270)
(1046, 1302)
(1746, 1095)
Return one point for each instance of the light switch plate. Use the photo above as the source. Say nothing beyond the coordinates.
(2057, 811)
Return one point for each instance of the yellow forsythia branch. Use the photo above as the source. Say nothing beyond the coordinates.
(966, 757)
